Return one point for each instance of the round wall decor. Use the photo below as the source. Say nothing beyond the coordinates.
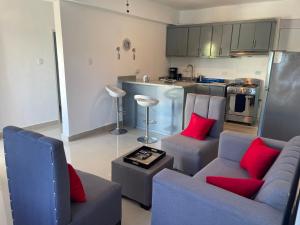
(126, 44)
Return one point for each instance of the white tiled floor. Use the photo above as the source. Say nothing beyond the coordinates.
(94, 155)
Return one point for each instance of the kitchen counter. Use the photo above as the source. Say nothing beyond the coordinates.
(177, 84)
(169, 113)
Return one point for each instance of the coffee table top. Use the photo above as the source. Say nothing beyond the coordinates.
(159, 165)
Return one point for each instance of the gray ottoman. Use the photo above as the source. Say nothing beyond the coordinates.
(136, 182)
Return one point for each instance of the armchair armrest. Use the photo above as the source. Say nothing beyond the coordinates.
(232, 146)
(179, 199)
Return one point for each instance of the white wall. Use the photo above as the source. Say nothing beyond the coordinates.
(90, 37)
(289, 9)
(139, 8)
(28, 92)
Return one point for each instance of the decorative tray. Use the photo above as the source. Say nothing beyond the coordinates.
(144, 157)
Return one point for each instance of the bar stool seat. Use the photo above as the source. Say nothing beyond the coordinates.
(146, 101)
(116, 93)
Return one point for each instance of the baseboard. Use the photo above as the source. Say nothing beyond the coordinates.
(37, 126)
(98, 130)
(42, 125)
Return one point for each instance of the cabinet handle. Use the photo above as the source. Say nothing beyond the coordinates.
(254, 43)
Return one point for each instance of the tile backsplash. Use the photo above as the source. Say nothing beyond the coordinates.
(227, 68)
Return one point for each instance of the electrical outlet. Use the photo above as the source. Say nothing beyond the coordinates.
(257, 73)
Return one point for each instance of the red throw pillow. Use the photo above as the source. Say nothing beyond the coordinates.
(258, 158)
(198, 127)
(76, 188)
(245, 187)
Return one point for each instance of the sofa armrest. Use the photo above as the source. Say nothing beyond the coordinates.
(179, 199)
(232, 145)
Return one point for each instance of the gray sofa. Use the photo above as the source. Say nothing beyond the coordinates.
(183, 200)
(191, 155)
(39, 185)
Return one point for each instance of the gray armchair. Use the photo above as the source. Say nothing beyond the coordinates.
(191, 155)
(180, 199)
(39, 185)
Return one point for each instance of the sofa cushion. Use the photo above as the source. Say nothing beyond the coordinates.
(198, 127)
(76, 188)
(190, 155)
(258, 158)
(278, 180)
(246, 187)
(103, 205)
(222, 167)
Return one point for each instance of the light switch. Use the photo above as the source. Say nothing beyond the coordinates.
(40, 61)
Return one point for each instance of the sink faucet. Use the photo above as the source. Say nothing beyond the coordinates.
(192, 70)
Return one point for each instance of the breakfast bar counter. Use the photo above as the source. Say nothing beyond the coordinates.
(167, 116)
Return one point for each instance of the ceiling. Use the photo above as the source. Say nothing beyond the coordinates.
(199, 4)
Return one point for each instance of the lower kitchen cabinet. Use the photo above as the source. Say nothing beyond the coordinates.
(211, 90)
(202, 89)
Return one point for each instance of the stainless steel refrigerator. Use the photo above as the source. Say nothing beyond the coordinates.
(280, 117)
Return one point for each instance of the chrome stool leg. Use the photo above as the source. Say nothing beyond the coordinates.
(147, 139)
(118, 130)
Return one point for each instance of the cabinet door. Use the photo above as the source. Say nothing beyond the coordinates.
(177, 38)
(217, 91)
(216, 40)
(182, 39)
(247, 33)
(205, 41)
(194, 41)
(202, 89)
(235, 37)
(226, 40)
(262, 36)
(171, 42)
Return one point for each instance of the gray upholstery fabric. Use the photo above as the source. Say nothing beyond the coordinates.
(103, 205)
(179, 199)
(137, 182)
(39, 185)
(190, 155)
(278, 180)
(222, 167)
(38, 178)
(182, 200)
(234, 145)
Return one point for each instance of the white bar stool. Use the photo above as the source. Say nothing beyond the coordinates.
(116, 93)
(146, 101)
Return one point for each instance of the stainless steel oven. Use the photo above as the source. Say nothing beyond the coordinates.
(243, 101)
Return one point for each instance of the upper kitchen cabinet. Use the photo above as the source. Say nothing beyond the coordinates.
(253, 36)
(205, 41)
(221, 40)
(194, 41)
(177, 38)
(289, 35)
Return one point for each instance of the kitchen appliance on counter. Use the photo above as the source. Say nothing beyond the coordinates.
(280, 117)
(173, 74)
(243, 100)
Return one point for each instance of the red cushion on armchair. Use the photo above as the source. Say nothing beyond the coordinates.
(76, 187)
(198, 127)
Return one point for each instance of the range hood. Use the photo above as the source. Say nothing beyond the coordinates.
(247, 53)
